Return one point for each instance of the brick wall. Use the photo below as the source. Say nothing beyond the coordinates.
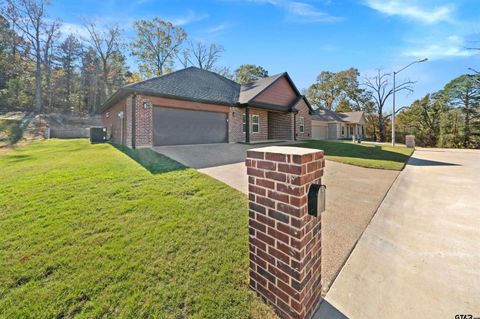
(144, 122)
(235, 133)
(280, 126)
(303, 110)
(272, 125)
(285, 242)
(113, 123)
(263, 134)
(128, 122)
(235, 125)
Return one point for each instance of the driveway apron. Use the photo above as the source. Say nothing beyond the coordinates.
(420, 255)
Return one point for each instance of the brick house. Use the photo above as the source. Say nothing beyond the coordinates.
(195, 106)
(330, 125)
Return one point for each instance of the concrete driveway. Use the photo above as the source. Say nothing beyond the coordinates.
(210, 155)
(353, 195)
(420, 255)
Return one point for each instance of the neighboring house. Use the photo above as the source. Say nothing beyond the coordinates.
(195, 106)
(329, 125)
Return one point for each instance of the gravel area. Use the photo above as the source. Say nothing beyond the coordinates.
(353, 196)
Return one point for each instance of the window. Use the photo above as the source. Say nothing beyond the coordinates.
(107, 115)
(301, 125)
(351, 130)
(244, 123)
(343, 130)
(255, 123)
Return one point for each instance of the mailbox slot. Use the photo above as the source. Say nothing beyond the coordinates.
(316, 199)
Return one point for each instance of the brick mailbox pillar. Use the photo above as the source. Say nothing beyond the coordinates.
(285, 242)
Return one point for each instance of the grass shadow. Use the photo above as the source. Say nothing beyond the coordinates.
(422, 162)
(327, 310)
(152, 161)
(16, 158)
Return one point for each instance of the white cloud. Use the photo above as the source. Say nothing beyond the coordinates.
(449, 47)
(190, 17)
(75, 29)
(328, 47)
(301, 11)
(409, 9)
(218, 28)
(309, 13)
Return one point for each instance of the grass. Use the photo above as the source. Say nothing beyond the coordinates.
(10, 132)
(87, 232)
(154, 162)
(364, 155)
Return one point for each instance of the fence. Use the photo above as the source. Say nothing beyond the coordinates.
(70, 133)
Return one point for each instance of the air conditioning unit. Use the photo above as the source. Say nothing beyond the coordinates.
(98, 135)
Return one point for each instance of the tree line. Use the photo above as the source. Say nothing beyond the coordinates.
(447, 118)
(43, 70)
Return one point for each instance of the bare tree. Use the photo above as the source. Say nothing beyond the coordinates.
(106, 42)
(29, 17)
(381, 91)
(183, 57)
(204, 56)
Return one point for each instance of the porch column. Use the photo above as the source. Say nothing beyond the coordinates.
(294, 126)
(285, 241)
(247, 125)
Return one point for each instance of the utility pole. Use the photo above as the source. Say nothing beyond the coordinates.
(394, 91)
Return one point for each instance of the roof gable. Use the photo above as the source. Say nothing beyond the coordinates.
(251, 90)
(279, 93)
(353, 117)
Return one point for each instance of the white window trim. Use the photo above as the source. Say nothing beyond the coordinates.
(301, 125)
(258, 124)
(244, 123)
(244, 118)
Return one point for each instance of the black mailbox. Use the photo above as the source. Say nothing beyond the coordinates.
(316, 199)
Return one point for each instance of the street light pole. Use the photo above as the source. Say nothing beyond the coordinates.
(393, 111)
(394, 91)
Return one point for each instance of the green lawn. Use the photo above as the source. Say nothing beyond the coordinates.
(364, 155)
(10, 132)
(87, 232)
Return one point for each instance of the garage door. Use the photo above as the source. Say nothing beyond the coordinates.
(319, 132)
(173, 126)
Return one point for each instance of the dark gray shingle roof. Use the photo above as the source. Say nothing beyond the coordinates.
(193, 84)
(197, 85)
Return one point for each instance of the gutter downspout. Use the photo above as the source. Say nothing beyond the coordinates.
(134, 119)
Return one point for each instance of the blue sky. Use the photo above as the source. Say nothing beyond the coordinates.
(306, 37)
